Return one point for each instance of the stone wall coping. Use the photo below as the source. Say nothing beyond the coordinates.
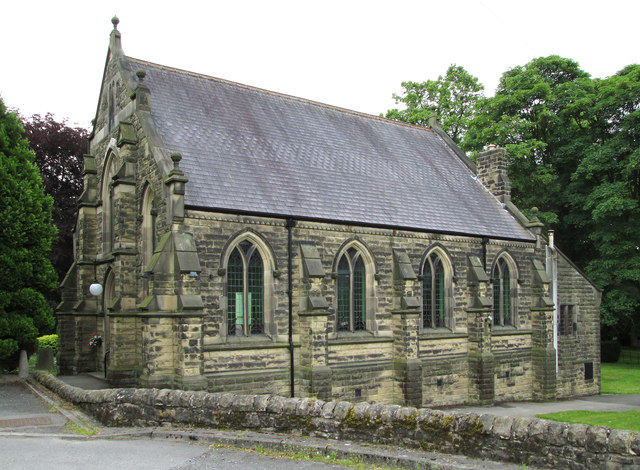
(529, 441)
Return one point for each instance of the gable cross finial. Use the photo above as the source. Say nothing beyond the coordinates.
(115, 22)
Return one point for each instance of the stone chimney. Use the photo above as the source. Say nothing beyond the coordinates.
(491, 168)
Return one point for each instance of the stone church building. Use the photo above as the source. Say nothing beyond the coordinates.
(249, 241)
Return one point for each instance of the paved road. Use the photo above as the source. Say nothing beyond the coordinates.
(35, 433)
(50, 453)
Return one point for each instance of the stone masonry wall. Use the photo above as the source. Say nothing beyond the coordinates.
(528, 441)
(582, 347)
(361, 364)
(190, 349)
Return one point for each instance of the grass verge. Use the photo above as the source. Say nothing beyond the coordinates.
(295, 453)
(617, 378)
(613, 419)
(620, 378)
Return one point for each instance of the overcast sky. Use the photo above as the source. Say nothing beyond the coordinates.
(352, 54)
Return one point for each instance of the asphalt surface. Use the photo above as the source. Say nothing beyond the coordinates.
(38, 431)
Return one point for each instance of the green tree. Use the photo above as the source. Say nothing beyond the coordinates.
(605, 200)
(58, 150)
(452, 99)
(542, 114)
(25, 243)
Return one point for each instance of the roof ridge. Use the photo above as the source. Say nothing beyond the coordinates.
(279, 94)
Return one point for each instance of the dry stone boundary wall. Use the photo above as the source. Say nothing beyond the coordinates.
(531, 441)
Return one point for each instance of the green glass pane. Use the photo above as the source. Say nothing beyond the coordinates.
(359, 296)
(256, 293)
(234, 287)
(427, 296)
(344, 295)
(439, 294)
(239, 303)
(496, 294)
(506, 301)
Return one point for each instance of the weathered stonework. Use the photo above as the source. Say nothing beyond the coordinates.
(165, 307)
(527, 441)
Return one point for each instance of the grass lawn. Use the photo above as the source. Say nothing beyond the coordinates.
(620, 378)
(613, 419)
(616, 378)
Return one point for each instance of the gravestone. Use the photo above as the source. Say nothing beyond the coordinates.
(45, 359)
(23, 365)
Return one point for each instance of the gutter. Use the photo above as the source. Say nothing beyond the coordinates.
(552, 272)
(321, 220)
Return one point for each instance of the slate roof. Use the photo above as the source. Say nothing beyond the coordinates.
(246, 149)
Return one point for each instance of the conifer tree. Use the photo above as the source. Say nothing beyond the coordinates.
(25, 243)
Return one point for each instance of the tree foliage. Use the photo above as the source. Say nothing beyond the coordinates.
(58, 153)
(574, 145)
(539, 114)
(25, 243)
(605, 200)
(574, 149)
(452, 99)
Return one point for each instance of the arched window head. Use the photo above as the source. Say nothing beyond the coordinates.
(352, 292)
(107, 203)
(245, 291)
(434, 310)
(504, 286)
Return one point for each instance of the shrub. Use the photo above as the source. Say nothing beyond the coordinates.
(610, 351)
(48, 341)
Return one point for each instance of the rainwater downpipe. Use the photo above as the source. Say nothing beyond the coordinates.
(290, 224)
(552, 271)
(485, 240)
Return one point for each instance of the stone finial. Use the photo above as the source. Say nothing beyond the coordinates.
(114, 41)
(534, 221)
(176, 157)
(534, 215)
(176, 172)
(141, 74)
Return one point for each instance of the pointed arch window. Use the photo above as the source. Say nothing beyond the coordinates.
(503, 279)
(245, 291)
(148, 227)
(108, 222)
(352, 292)
(434, 308)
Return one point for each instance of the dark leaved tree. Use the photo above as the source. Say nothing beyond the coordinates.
(59, 149)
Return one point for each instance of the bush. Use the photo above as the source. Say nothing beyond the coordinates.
(48, 341)
(610, 351)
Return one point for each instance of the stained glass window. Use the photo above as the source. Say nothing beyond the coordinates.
(502, 294)
(245, 291)
(433, 293)
(352, 292)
